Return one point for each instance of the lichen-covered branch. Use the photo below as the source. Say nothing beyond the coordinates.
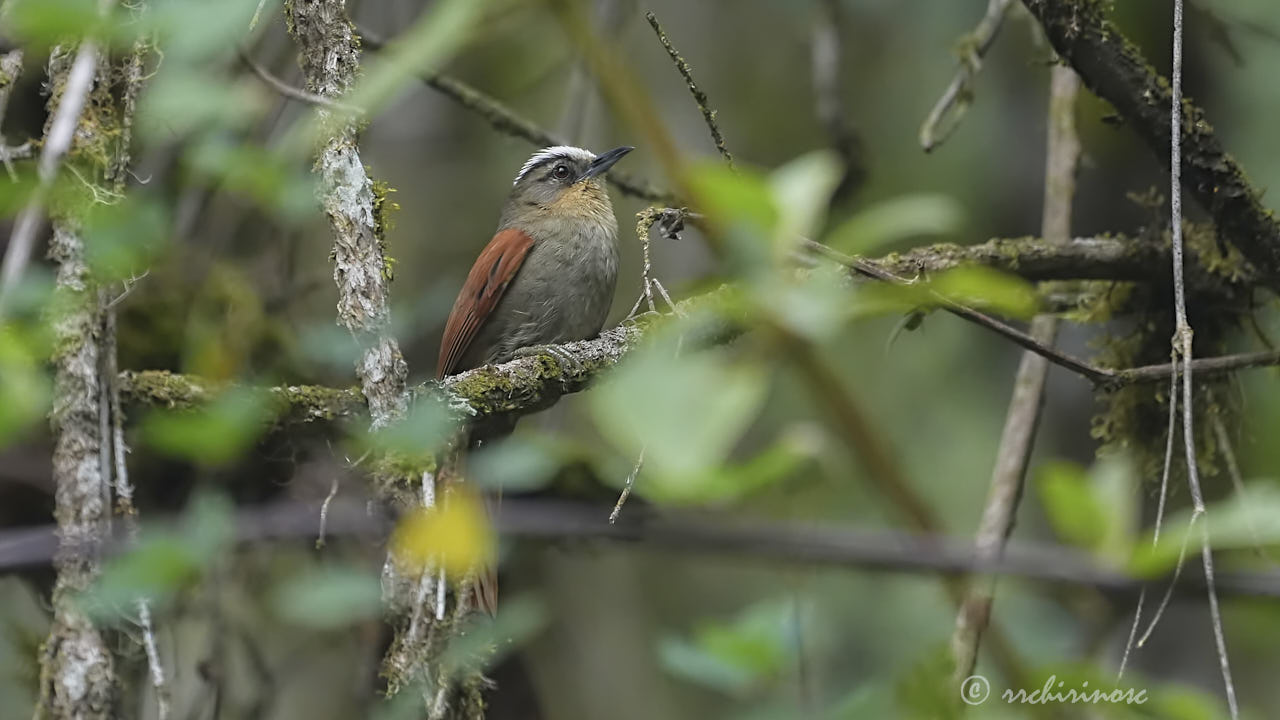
(1114, 69)
(77, 676)
(330, 55)
(77, 671)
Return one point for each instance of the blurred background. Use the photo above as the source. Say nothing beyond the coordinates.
(240, 288)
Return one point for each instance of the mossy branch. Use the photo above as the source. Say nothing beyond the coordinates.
(530, 384)
(1114, 69)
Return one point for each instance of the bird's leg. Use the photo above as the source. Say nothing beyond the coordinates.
(562, 356)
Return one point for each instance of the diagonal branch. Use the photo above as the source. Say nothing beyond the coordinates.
(1114, 69)
(507, 121)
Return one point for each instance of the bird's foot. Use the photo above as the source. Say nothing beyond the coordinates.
(565, 358)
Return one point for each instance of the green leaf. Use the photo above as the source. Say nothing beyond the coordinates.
(801, 190)
(214, 434)
(989, 289)
(164, 562)
(728, 482)
(735, 656)
(486, 641)
(180, 100)
(328, 598)
(741, 199)
(895, 220)
(25, 387)
(46, 22)
(1244, 521)
(427, 426)
(1071, 505)
(121, 240)
(815, 306)
(193, 31)
(517, 463)
(687, 411)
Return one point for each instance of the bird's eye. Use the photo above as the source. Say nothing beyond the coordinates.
(560, 172)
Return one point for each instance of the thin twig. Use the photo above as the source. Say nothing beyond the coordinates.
(699, 97)
(1184, 349)
(57, 143)
(626, 487)
(1164, 493)
(959, 94)
(324, 512)
(295, 93)
(507, 121)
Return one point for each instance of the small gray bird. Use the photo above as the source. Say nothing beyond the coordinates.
(549, 273)
(546, 277)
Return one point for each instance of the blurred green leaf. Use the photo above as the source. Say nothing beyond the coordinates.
(196, 30)
(926, 689)
(729, 482)
(517, 463)
(328, 598)
(1243, 521)
(485, 642)
(25, 386)
(421, 49)
(429, 423)
(735, 656)
(47, 22)
(1069, 501)
(801, 190)
(277, 186)
(164, 562)
(180, 100)
(214, 434)
(988, 289)
(814, 306)
(735, 198)
(895, 220)
(687, 411)
(122, 239)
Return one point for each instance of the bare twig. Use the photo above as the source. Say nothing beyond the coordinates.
(959, 94)
(507, 121)
(57, 142)
(1155, 539)
(1183, 349)
(1026, 405)
(293, 93)
(699, 97)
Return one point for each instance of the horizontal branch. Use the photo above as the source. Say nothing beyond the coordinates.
(1115, 70)
(681, 533)
(530, 384)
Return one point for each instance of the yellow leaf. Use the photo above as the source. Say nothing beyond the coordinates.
(456, 534)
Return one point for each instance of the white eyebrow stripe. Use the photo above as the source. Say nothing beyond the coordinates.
(558, 151)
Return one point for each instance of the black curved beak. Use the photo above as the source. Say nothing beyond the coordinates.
(604, 161)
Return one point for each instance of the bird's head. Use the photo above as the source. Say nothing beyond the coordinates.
(563, 181)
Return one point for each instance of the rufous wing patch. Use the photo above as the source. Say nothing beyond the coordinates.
(492, 272)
